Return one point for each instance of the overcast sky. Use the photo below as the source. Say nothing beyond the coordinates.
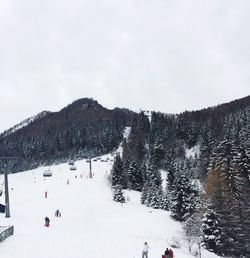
(163, 55)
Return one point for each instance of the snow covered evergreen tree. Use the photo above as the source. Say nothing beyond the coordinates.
(152, 194)
(211, 232)
(117, 174)
(144, 193)
(118, 194)
(184, 198)
(227, 189)
(165, 202)
(152, 173)
(156, 197)
(135, 177)
(171, 176)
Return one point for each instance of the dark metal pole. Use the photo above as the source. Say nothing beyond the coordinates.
(6, 185)
(6, 188)
(90, 169)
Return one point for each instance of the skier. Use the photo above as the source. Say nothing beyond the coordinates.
(57, 213)
(166, 254)
(47, 221)
(145, 250)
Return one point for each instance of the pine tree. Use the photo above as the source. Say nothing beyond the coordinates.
(243, 198)
(211, 232)
(183, 199)
(152, 173)
(165, 202)
(125, 150)
(135, 177)
(150, 195)
(118, 173)
(156, 200)
(118, 194)
(171, 176)
(227, 187)
(144, 193)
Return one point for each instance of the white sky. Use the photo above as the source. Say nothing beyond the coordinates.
(162, 55)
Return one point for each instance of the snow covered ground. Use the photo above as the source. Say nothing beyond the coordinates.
(91, 226)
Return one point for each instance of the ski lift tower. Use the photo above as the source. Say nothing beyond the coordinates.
(6, 186)
(90, 167)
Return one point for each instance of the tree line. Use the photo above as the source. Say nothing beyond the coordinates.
(208, 191)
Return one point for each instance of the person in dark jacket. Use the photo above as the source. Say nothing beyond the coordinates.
(47, 221)
(57, 213)
(166, 254)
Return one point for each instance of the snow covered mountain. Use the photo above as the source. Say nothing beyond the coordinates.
(191, 147)
(92, 225)
(83, 128)
(24, 123)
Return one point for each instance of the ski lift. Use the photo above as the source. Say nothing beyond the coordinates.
(71, 162)
(47, 173)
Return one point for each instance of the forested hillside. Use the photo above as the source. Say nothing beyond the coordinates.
(82, 129)
(206, 156)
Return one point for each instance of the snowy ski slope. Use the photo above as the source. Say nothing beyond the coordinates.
(91, 226)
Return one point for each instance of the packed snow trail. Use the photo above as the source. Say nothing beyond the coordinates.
(92, 225)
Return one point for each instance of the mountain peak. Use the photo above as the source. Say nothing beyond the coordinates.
(84, 104)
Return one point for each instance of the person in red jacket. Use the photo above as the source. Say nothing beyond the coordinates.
(166, 253)
(171, 254)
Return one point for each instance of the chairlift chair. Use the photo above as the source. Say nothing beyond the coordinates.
(47, 173)
(71, 162)
(72, 168)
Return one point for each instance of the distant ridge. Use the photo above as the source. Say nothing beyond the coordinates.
(83, 128)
